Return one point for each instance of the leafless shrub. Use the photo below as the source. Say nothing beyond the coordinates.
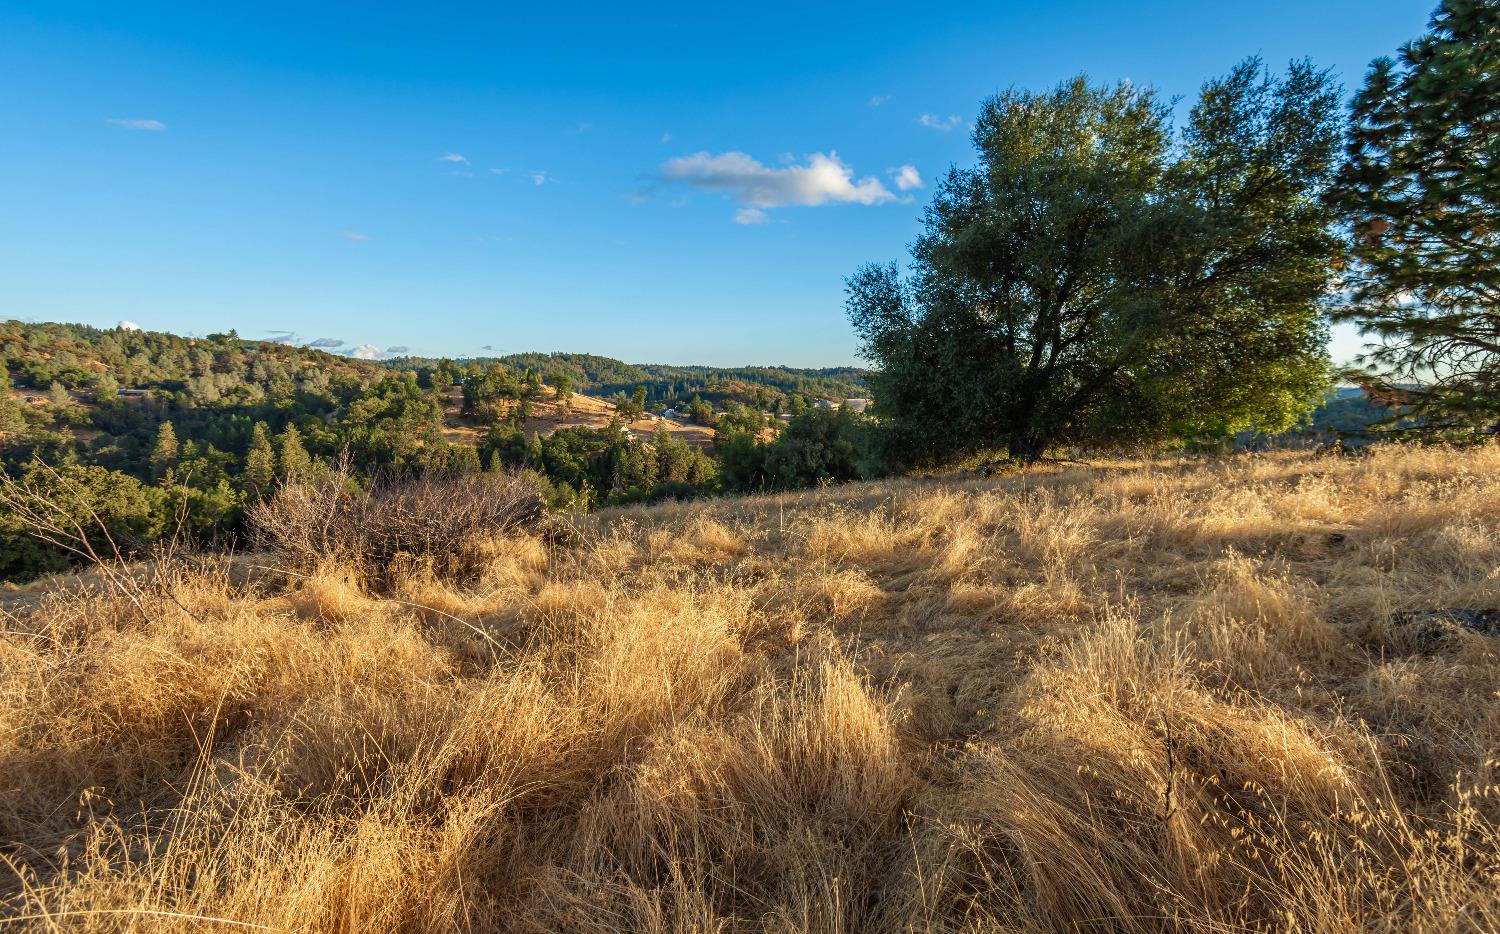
(55, 510)
(396, 520)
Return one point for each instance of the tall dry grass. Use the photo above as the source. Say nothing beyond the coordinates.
(1140, 697)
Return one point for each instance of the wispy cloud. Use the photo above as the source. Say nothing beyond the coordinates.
(453, 157)
(751, 216)
(879, 99)
(666, 138)
(906, 177)
(540, 177)
(582, 128)
(156, 126)
(823, 179)
(499, 171)
(942, 124)
(354, 236)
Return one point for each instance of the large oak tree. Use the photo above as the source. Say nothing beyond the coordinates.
(1091, 280)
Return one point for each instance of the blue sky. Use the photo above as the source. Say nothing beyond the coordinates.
(684, 184)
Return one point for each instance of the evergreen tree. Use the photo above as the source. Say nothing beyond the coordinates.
(1421, 191)
(260, 460)
(165, 452)
(12, 413)
(563, 385)
(296, 464)
(58, 395)
(700, 412)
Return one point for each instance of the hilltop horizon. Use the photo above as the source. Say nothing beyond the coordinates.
(372, 354)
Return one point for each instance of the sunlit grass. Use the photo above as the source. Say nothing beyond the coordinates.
(1140, 696)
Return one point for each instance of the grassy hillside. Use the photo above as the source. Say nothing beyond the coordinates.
(1138, 697)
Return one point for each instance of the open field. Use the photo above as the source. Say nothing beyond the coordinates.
(581, 411)
(1134, 697)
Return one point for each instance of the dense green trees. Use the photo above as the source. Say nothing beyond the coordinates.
(1421, 188)
(209, 423)
(12, 412)
(604, 376)
(1090, 282)
(820, 446)
(586, 467)
(77, 509)
(817, 447)
(488, 393)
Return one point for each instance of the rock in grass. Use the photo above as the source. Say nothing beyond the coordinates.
(1432, 629)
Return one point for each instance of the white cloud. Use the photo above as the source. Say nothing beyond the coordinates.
(354, 236)
(128, 326)
(540, 177)
(155, 126)
(499, 171)
(453, 157)
(325, 342)
(906, 177)
(366, 352)
(751, 216)
(822, 180)
(879, 99)
(944, 124)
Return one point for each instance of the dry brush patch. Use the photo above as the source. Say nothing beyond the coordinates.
(1142, 696)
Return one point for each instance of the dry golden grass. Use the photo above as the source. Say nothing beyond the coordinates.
(1138, 697)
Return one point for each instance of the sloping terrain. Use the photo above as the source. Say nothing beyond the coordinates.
(580, 411)
(1143, 696)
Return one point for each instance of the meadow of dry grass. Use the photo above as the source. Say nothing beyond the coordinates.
(1137, 697)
